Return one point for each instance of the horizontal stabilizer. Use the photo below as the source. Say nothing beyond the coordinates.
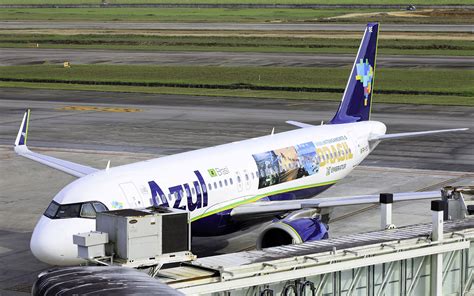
(414, 134)
(266, 207)
(75, 169)
(299, 124)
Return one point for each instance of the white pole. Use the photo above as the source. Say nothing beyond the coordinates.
(437, 210)
(386, 201)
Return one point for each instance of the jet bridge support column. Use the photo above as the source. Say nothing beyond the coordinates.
(437, 209)
(386, 201)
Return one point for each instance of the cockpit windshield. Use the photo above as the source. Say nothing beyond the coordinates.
(75, 210)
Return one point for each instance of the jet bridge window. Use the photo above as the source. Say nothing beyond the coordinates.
(76, 210)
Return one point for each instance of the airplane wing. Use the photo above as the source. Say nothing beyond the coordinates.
(413, 134)
(68, 167)
(299, 124)
(267, 207)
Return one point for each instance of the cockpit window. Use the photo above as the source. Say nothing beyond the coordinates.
(76, 210)
(87, 211)
(52, 209)
(68, 211)
(99, 207)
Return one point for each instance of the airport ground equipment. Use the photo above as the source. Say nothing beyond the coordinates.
(137, 238)
(91, 245)
(459, 200)
(424, 259)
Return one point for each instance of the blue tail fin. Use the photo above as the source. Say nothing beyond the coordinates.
(357, 98)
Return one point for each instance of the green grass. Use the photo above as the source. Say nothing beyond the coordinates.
(218, 15)
(250, 44)
(425, 2)
(455, 84)
(168, 14)
(319, 96)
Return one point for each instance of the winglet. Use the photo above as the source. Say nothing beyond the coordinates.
(23, 131)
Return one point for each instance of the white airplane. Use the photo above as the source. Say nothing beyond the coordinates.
(229, 186)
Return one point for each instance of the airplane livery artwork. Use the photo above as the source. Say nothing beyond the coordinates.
(229, 187)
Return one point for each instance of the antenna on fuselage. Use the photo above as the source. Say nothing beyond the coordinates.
(108, 166)
(322, 122)
(273, 131)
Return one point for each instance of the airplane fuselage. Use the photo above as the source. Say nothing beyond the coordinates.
(210, 182)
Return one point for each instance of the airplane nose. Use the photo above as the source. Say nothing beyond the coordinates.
(51, 241)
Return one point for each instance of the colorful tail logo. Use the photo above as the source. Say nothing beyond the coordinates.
(365, 74)
(357, 98)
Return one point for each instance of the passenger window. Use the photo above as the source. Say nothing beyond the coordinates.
(225, 182)
(187, 190)
(246, 177)
(215, 185)
(87, 211)
(220, 184)
(253, 176)
(209, 186)
(193, 191)
(231, 182)
(238, 179)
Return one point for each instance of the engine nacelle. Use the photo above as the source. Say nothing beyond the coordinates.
(294, 229)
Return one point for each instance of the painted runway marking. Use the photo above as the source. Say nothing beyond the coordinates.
(99, 109)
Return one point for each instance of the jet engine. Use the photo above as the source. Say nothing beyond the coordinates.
(296, 228)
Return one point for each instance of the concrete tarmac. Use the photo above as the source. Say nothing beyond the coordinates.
(31, 56)
(78, 25)
(176, 123)
(164, 125)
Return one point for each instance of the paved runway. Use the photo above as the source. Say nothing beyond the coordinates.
(31, 56)
(167, 124)
(75, 25)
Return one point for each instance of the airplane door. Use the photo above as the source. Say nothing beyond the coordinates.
(240, 186)
(132, 195)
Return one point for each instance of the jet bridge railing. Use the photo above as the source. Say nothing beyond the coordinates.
(378, 268)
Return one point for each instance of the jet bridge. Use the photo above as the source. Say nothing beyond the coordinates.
(425, 259)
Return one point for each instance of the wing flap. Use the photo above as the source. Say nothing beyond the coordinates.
(75, 169)
(294, 205)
